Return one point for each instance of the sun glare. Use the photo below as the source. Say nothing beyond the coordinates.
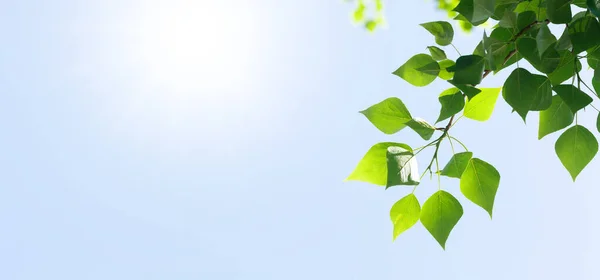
(187, 44)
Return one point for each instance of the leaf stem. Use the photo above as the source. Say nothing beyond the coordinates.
(463, 145)
(456, 49)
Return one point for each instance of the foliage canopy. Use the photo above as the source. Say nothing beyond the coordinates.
(523, 30)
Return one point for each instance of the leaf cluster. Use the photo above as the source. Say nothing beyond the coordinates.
(549, 35)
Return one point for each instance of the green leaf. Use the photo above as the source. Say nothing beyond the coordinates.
(422, 127)
(468, 69)
(441, 30)
(503, 7)
(538, 7)
(526, 92)
(481, 106)
(525, 19)
(559, 11)
(452, 102)
(419, 70)
(389, 116)
(555, 118)
(440, 213)
(598, 123)
(593, 57)
(476, 11)
(545, 39)
(372, 168)
(404, 214)
(545, 63)
(402, 167)
(584, 33)
(564, 42)
(509, 20)
(469, 90)
(479, 183)
(437, 53)
(575, 148)
(573, 97)
(444, 74)
(457, 165)
(565, 69)
(594, 7)
(495, 48)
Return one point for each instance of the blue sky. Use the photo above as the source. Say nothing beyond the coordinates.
(121, 158)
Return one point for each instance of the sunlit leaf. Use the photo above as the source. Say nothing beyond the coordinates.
(444, 74)
(457, 165)
(437, 53)
(479, 183)
(481, 106)
(402, 167)
(404, 214)
(575, 148)
(419, 70)
(422, 127)
(440, 213)
(389, 116)
(555, 118)
(441, 30)
(372, 168)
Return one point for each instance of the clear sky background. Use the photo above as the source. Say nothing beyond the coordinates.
(210, 139)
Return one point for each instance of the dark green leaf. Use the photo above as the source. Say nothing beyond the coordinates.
(481, 106)
(538, 7)
(468, 90)
(457, 165)
(442, 30)
(476, 11)
(479, 183)
(420, 126)
(440, 213)
(594, 7)
(526, 92)
(509, 20)
(573, 97)
(437, 53)
(555, 118)
(593, 57)
(444, 74)
(404, 214)
(559, 11)
(503, 7)
(584, 33)
(389, 116)
(545, 63)
(419, 70)
(575, 148)
(452, 102)
(372, 168)
(564, 42)
(545, 39)
(468, 69)
(565, 69)
(598, 123)
(525, 19)
(402, 167)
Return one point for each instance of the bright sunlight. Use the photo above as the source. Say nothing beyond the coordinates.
(192, 44)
